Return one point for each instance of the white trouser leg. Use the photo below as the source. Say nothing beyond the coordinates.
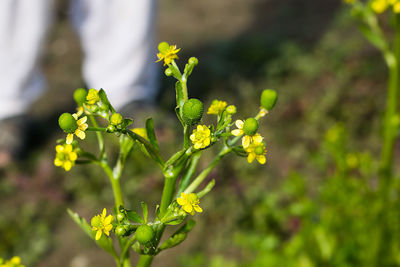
(23, 26)
(117, 38)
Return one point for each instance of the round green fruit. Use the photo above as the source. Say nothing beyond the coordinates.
(144, 234)
(67, 123)
(163, 47)
(120, 230)
(250, 126)
(192, 111)
(80, 96)
(268, 99)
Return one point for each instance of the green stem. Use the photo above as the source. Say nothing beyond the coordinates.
(116, 187)
(389, 129)
(98, 134)
(145, 260)
(189, 173)
(200, 178)
(186, 137)
(168, 193)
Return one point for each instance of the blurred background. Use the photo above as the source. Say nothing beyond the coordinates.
(300, 209)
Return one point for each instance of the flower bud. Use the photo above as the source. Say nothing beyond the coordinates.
(268, 99)
(80, 96)
(231, 109)
(144, 234)
(110, 128)
(116, 119)
(193, 61)
(120, 230)
(250, 126)
(120, 216)
(163, 46)
(192, 111)
(67, 123)
(168, 72)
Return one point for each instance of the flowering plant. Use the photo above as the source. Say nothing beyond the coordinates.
(182, 188)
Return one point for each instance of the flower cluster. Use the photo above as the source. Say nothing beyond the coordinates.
(13, 262)
(190, 203)
(167, 53)
(201, 137)
(65, 157)
(102, 224)
(217, 107)
(379, 6)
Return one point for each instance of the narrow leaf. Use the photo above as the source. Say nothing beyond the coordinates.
(133, 216)
(151, 134)
(104, 100)
(145, 212)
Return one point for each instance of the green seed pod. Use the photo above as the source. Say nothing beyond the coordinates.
(144, 234)
(250, 126)
(193, 61)
(192, 111)
(120, 230)
(168, 72)
(80, 96)
(259, 150)
(268, 99)
(163, 46)
(67, 123)
(116, 119)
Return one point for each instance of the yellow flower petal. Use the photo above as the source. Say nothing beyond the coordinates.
(257, 138)
(80, 134)
(188, 208)
(67, 165)
(58, 162)
(59, 148)
(70, 138)
(261, 159)
(98, 234)
(237, 132)
(246, 141)
(73, 156)
(198, 209)
(251, 157)
(75, 116)
(239, 124)
(68, 149)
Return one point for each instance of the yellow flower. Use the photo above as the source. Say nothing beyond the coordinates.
(256, 150)
(65, 157)
(379, 6)
(396, 7)
(201, 137)
(102, 224)
(190, 203)
(247, 139)
(142, 132)
(168, 55)
(217, 107)
(80, 131)
(13, 262)
(92, 97)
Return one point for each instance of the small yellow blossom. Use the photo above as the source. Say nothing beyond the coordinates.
(190, 203)
(396, 7)
(92, 97)
(65, 157)
(262, 112)
(256, 150)
(168, 55)
(13, 262)
(217, 107)
(379, 6)
(102, 224)
(80, 131)
(201, 137)
(247, 139)
(141, 132)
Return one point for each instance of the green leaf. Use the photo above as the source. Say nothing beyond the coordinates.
(151, 134)
(104, 100)
(133, 216)
(145, 212)
(104, 242)
(154, 154)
